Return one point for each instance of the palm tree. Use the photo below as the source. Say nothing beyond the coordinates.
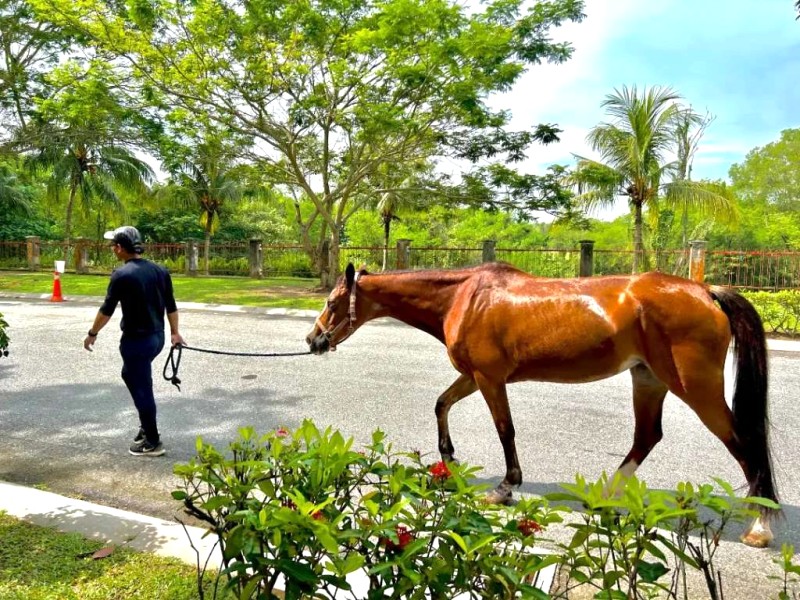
(13, 198)
(633, 160)
(388, 206)
(207, 183)
(89, 170)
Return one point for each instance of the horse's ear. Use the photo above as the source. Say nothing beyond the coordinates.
(349, 275)
(362, 270)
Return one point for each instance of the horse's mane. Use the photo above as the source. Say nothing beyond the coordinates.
(453, 274)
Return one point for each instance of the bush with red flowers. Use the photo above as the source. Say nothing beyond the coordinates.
(305, 513)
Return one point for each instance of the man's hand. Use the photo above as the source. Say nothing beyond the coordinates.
(89, 341)
(176, 339)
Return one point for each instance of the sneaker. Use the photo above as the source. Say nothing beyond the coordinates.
(140, 437)
(147, 449)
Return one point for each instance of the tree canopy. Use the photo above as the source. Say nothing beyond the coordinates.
(331, 91)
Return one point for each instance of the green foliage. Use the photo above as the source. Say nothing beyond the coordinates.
(779, 311)
(309, 508)
(629, 537)
(305, 512)
(791, 571)
(635, 148)
(336, 94)
(4, 339)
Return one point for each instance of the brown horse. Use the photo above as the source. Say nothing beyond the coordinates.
(501, 325)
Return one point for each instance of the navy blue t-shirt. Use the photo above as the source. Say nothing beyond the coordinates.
(145, 291)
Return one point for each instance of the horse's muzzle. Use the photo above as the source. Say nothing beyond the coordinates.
(319, 344)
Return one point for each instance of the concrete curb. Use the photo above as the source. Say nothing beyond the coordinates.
(110, 525)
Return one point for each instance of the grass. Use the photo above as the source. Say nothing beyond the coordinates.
(38, 563)
(270, 293)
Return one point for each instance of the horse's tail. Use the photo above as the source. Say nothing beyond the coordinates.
(750, 414)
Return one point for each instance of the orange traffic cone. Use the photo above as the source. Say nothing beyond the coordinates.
(56, 297)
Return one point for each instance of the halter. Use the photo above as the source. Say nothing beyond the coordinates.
(330, 332)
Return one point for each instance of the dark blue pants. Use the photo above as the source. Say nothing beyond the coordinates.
(138, 354)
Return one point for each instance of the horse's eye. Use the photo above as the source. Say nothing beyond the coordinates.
(331, 305)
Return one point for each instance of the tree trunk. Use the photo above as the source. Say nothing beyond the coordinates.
(638, 246)
(387, 223)
(207, 248)
(328, 279)
(73, 190)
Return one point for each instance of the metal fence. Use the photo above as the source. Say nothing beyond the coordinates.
(765, 270)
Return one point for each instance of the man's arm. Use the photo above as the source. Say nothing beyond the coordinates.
(100, 321)
(175, 336)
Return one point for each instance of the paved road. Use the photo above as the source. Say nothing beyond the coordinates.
(66, 419)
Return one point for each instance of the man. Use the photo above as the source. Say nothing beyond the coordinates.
(145, 291)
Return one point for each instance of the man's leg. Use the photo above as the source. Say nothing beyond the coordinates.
(137, 357)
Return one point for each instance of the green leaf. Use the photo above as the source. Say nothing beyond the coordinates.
(651, 571)
(298, 571)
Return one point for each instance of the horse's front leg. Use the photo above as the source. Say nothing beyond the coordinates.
(497, 400)
(461, 388)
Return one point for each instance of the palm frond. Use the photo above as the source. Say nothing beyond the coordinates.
(708, 198)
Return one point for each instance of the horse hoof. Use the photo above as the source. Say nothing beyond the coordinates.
(755, 539)
(498, 496)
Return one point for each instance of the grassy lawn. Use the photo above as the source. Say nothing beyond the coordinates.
(276, 292)
(37, 563)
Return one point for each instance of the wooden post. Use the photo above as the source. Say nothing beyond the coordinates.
(256, 259)
(586, 267)
(81, 255)
(192, 251)
(403, 253)
(34, 251)
(697, 260)
(488, 250)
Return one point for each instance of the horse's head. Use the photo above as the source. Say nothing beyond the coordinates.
(338, 320)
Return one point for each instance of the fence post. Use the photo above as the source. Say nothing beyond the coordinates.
(586, 267)
(403, 252)
(34, 251)
(488, 250)
(256, 259)
(81, 255)
(697, 260)
(192, 252)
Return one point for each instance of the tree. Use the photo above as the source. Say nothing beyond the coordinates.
(206, 181)
(82, 138)
(633, 161)
(767, 185)
(13, 196)
(28, 50)
(331, 91)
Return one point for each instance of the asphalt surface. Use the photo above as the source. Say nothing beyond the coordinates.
(66, 418)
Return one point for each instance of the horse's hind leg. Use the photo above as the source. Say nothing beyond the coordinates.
(704, 392)
(461, 388)
(497, 401)
(648, 401)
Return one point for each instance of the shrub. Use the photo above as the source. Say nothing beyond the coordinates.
(780, 311)
(306, 509)
(303, 512)
(4, 339)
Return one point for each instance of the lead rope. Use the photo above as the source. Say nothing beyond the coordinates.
(174, 362)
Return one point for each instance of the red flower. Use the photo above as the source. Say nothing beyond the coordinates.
(286, 502)
(282, 432)
(528, 526)
(404, 538)
(440, 471)
(318, 516)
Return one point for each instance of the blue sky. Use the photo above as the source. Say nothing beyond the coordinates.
(738, 59)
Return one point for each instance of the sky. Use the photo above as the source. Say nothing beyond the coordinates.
(737, 59)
